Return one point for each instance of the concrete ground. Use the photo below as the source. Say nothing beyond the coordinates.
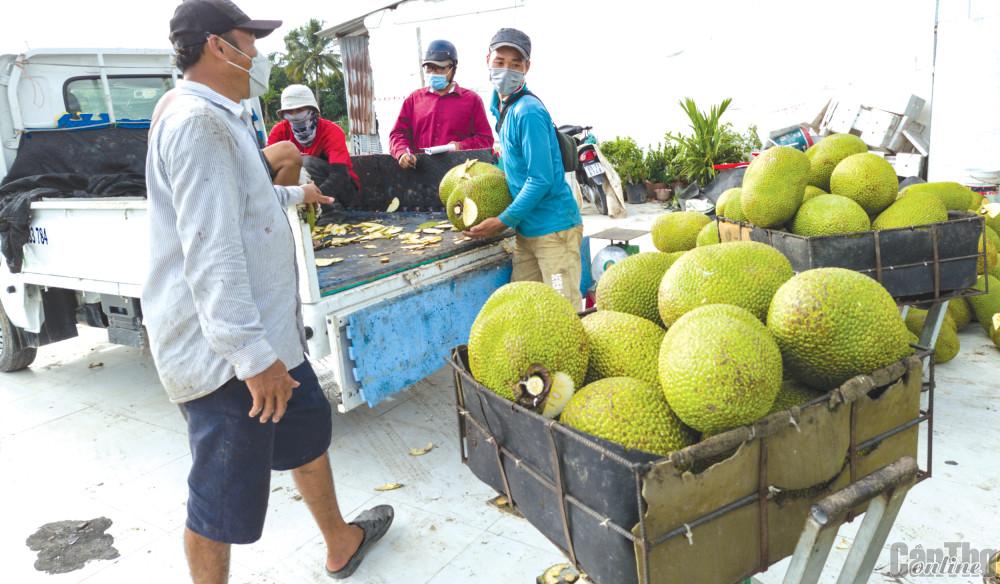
(87, 432)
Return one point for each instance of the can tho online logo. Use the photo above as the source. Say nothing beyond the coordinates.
(952, 559)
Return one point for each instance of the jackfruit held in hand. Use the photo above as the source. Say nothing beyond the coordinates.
(465, 171)
(477, 199)
(524, 337)
(910, 211)
(868, 179)
(622, 345)
(629, 412)
(947, 344)
(741, 273)
(830, 215)
(631, 284)
(833, 324)
(678, 231)
(826, 154)
(773, 186)
(709, 235)
(719, 371)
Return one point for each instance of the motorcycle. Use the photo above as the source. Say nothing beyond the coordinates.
(590, 174)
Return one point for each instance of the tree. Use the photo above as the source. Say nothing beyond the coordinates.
(310, 58)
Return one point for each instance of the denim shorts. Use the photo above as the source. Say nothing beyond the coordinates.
(233, 454)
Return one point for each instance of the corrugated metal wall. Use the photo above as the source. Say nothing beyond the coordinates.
(360, 92)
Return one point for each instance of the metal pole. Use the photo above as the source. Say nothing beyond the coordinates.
(106, 88)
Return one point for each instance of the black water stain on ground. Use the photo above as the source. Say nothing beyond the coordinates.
(65, 546)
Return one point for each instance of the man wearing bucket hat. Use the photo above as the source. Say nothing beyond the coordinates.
(220, 303)
(441, 114)
(544, 213)
(312, 135)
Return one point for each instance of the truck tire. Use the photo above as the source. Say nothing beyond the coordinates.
(14, 356)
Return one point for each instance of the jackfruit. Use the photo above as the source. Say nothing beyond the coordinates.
(622, 345)
(986, 305)
(833, 324)
(467, 170)
(773, 186)
(988, 250)
(718, 371)
(522, 325)
(947, 344)
(709, 235)
(792, 394)
(812, 192)
(631, 285)
(830, 215)
(954, 196)
(678, 231)
(991, 213)
(734, 206)
(826, 154)
(995, 336)
(720, 205)
(629, 412)
(960, 312)
(868, 179)
(978, 199)
(741, 273)
(914, 209)
(477, 199)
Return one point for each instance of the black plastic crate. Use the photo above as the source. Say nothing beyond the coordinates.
(925, 262)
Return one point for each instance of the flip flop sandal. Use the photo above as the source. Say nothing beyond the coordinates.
(374, 522)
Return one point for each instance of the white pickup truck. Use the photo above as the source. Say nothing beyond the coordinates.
(376, 322)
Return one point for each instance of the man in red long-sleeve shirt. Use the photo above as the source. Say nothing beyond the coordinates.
(441, 113)
(311, 134)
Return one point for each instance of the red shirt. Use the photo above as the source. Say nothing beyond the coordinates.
(329, 143)
(428, 119)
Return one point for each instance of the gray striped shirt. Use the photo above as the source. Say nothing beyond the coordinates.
(221, 296)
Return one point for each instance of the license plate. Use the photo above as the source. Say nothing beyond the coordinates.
(593, 169)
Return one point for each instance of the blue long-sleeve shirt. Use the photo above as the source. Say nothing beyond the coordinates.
(530, 156)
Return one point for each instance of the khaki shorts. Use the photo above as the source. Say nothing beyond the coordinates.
(553, 259)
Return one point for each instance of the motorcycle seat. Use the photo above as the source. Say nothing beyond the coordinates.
(571, 130)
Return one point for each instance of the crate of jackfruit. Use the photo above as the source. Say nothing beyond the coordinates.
(837, 205)
(671, 436)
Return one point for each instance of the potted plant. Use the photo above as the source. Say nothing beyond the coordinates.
(628, 161)
(661, 168)
(711, 142)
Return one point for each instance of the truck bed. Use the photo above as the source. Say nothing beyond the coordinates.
(361, 266)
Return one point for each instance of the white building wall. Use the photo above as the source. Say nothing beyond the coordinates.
(622, 66)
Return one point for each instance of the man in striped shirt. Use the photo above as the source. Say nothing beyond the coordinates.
(221, 304)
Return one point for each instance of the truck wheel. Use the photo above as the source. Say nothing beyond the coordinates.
(14, 356)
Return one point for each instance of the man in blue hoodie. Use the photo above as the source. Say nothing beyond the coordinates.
(544, 213)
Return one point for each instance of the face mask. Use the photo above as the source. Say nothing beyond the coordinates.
(259, 71)
(303, 126)
(437, 81)
(506, 81)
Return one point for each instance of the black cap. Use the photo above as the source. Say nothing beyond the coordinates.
(511, 37)
(194, 20)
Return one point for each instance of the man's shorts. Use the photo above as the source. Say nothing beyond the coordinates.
(233, 454)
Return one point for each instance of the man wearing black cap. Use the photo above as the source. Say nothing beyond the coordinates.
(441, 114)
(221, 305)
(544, 213)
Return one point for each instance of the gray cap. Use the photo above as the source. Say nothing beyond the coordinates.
(511, 37)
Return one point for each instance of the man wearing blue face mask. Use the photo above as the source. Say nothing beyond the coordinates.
(440, 114)
(221, 306)
(544, 213)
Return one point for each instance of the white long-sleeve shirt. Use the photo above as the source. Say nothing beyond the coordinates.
(221, 296)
